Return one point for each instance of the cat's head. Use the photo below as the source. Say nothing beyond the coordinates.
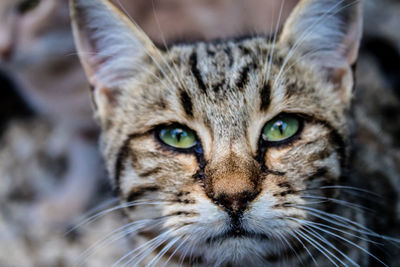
(228, 147)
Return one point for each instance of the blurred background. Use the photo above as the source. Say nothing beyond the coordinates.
(51, 173)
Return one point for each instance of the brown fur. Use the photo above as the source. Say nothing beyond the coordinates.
(240, 189)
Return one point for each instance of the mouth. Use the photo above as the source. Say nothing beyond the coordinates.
(237, 233)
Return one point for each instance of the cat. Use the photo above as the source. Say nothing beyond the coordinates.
(37, 52)
(234, 152)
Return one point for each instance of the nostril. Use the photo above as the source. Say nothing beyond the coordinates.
(235, 203)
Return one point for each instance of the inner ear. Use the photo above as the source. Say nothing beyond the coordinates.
(113, 49)
(328, 32)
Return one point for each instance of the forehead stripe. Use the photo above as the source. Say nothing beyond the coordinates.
(243, 78)
(196, 71)
(265, 96)
(186, 103)
(123, 153)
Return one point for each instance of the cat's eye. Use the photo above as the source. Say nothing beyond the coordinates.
(281, 128)
(27, 5)
(177, 137)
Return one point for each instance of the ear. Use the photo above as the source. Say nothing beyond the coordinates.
(325, 31)
(110, 46)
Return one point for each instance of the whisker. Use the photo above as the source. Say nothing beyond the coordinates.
(294, 235)
(340, 202)
(302, 38)
(153, 247)
(145, 49)
(318, 213)
(184, 254)
(362, 190)
(144, 254)
(350, 242)
(163, 251)
(146, 244)
(176, 72)
(191, 253)
(354, 191)
(274, 41)
(308, 31)
(118, 207)
(176, 249)
(286, 241)
(324, 240)
(94, 210)
(307, 222)
(315, 244)
(119, 233)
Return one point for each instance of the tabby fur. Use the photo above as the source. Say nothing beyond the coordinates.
(232, 200)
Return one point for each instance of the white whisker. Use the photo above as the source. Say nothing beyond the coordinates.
(294, 235)
(107, 211)
(339, 201)
(176, 249)
(348, 241)
(156, 239)
(119, 233)
(324, 240)
(319, 213)
(317, 246)
(146, 50)
(274, 41)
(163, 251)
(307, 222)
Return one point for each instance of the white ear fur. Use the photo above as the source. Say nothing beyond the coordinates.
(326, 31)
(109, 45)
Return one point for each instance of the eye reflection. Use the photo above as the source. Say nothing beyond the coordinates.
(281, 128)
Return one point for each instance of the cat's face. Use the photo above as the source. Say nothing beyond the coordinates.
(225, 148)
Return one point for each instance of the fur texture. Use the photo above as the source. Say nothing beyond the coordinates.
(160, 180)
(232, 199)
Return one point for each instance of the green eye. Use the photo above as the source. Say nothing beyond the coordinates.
(178, 137)
(281, 128)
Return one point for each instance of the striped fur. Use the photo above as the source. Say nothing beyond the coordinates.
(279, 197)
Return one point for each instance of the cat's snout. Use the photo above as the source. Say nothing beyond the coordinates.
(236, 204)
(232, 183)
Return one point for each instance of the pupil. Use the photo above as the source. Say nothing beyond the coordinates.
(178, 134)
(281, 126)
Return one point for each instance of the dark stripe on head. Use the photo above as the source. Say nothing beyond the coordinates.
(150, 172)
(291, 89)
(140, 191)
(320, 172)
(336, 139)
(122, 155)
(245, 50)
(228, 53)
(219, 86)
(186, 103)
(265, 96)
(196, 71)
(243, 78)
